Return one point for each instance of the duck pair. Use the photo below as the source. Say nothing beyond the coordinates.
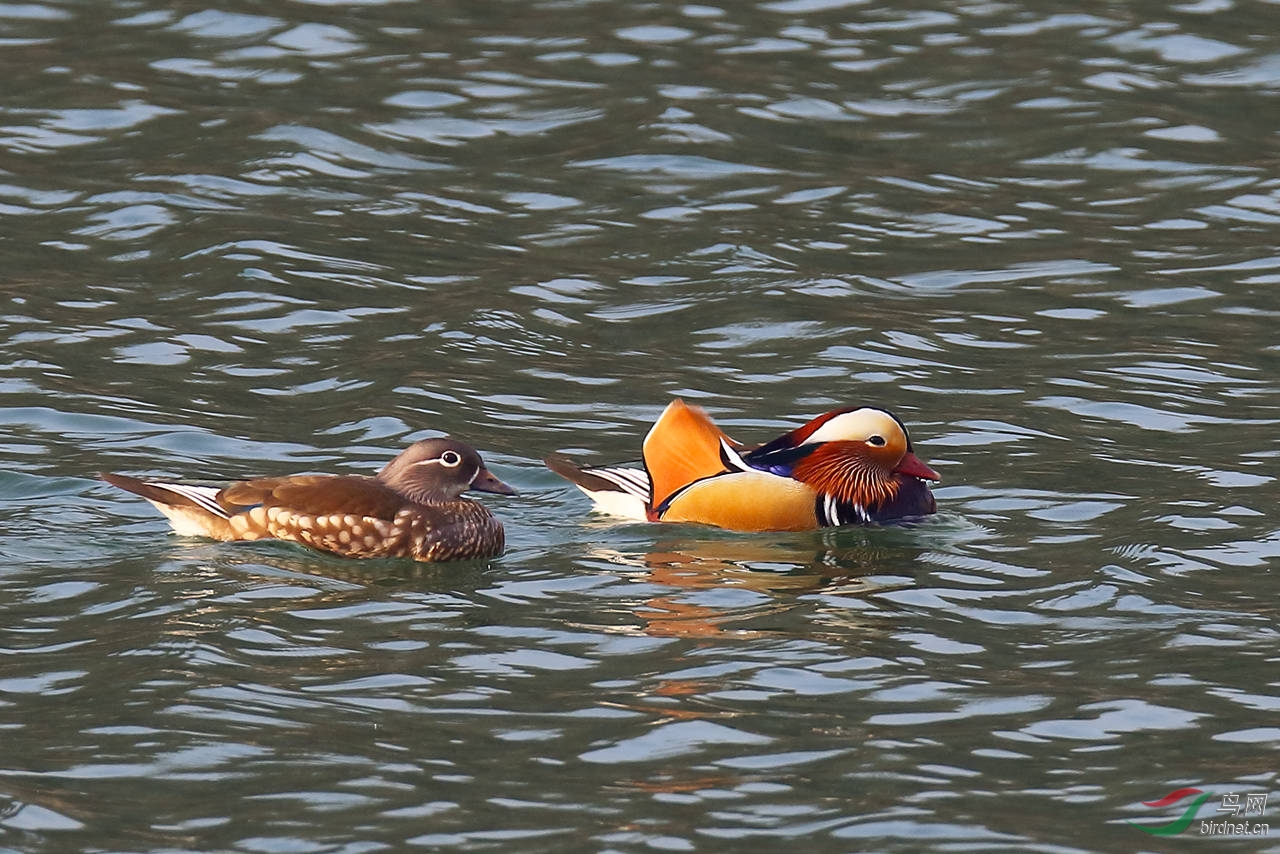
(845, 467)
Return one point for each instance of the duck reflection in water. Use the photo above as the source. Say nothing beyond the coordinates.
(720, 585)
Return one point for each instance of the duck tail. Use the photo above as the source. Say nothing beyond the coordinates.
(617, 490)
(191, 510)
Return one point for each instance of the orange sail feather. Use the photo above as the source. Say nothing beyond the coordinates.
(683, 446)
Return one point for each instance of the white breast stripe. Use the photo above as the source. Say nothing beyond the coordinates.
(205, 497)
(732, 458)
(831, 510)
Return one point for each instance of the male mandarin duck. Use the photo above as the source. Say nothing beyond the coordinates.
(847, 466)
(413, 508)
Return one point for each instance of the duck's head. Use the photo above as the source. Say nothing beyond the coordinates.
(435, 470)
(859, 455)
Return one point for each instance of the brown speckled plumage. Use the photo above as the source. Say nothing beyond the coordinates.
(413, 508)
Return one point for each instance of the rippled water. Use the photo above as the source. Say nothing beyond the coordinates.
(265, 238)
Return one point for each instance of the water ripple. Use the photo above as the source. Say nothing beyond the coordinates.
(244, 243)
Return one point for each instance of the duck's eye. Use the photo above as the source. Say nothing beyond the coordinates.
(451, 458)
(878, 441)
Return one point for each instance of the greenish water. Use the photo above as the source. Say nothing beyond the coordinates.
(269, 238)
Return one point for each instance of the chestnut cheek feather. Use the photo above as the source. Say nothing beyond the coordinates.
(851, 479)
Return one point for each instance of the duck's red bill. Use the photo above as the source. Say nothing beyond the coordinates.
(914, 466)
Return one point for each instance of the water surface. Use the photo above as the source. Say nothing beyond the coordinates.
(268, 238)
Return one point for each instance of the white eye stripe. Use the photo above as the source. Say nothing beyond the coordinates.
(858, 426)
(449, 459)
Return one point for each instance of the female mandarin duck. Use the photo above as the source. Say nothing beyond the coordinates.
(413, 508)
(849, 465)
